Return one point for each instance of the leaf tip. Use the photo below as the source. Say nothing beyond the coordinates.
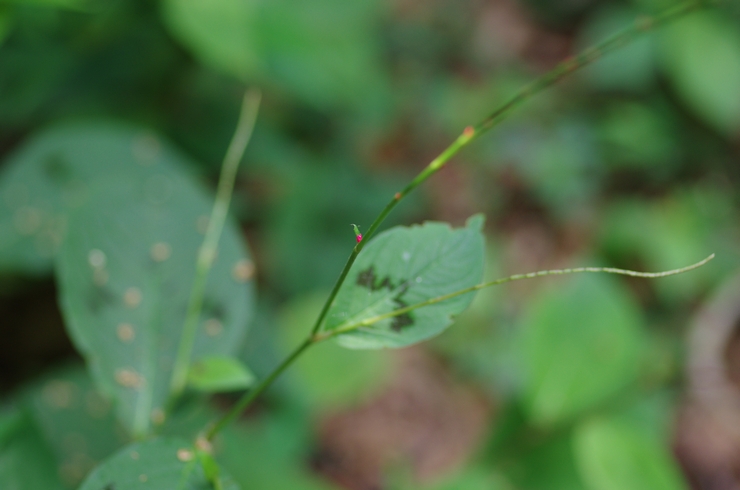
(476, 222)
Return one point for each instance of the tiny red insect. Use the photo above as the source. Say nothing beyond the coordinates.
(357, 233)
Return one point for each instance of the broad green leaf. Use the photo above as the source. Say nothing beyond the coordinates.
(76, 422)
(53, 173)
(701, 54)
(323, 51)
(581, 345)
(327, 375)
(613, 454)
(125, 273)
(214, 374)
(170, 464)
(401, 267)
(26, 462)
(220, 32)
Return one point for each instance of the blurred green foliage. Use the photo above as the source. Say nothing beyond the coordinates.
(632, 163)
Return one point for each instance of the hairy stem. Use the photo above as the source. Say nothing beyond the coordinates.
(207, 252)
(516, 277)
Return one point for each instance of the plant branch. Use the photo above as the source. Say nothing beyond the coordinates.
(207, 251)
(516, 277)
(247, 399)
(640, 25)
(470, 133)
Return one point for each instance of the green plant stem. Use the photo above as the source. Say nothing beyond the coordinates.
(207, 252)
(570, 65)
(516, 277)
(247, 399)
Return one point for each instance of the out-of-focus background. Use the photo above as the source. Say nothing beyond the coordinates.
(567, 383)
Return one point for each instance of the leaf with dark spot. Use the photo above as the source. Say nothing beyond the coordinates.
(401, 321)
(416, 264)
(366, 278)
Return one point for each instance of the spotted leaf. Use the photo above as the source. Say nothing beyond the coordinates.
(54, 172)
(401, 267)
(160, 463)
(125, 273)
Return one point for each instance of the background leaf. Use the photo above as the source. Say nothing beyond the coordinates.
(53, 173)
(219, 373)
(76, 422)
(404, 266)
(614, 454)
(581, 345)
(322, 51)
(26, 462)
(124, 275)
(160, 463)
(702, 57)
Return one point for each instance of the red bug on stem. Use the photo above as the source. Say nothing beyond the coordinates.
(357, 233)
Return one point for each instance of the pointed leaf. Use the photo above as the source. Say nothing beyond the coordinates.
(125, 274)
(219, 373)
(161, 463)
(404, 266)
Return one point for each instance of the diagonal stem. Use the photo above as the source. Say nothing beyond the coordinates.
(570, 65)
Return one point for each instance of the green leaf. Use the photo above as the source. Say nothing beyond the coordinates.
(613, 454)
(76, 422)
(220, 32)
(545, 465)
(211, 469)
(125, 273)
(214, 374)
(581, 345)
(702, 57)
(159, 463)
(26, 462)
(323, 51)
(676, 229)
(401, 267)
(54, 172)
